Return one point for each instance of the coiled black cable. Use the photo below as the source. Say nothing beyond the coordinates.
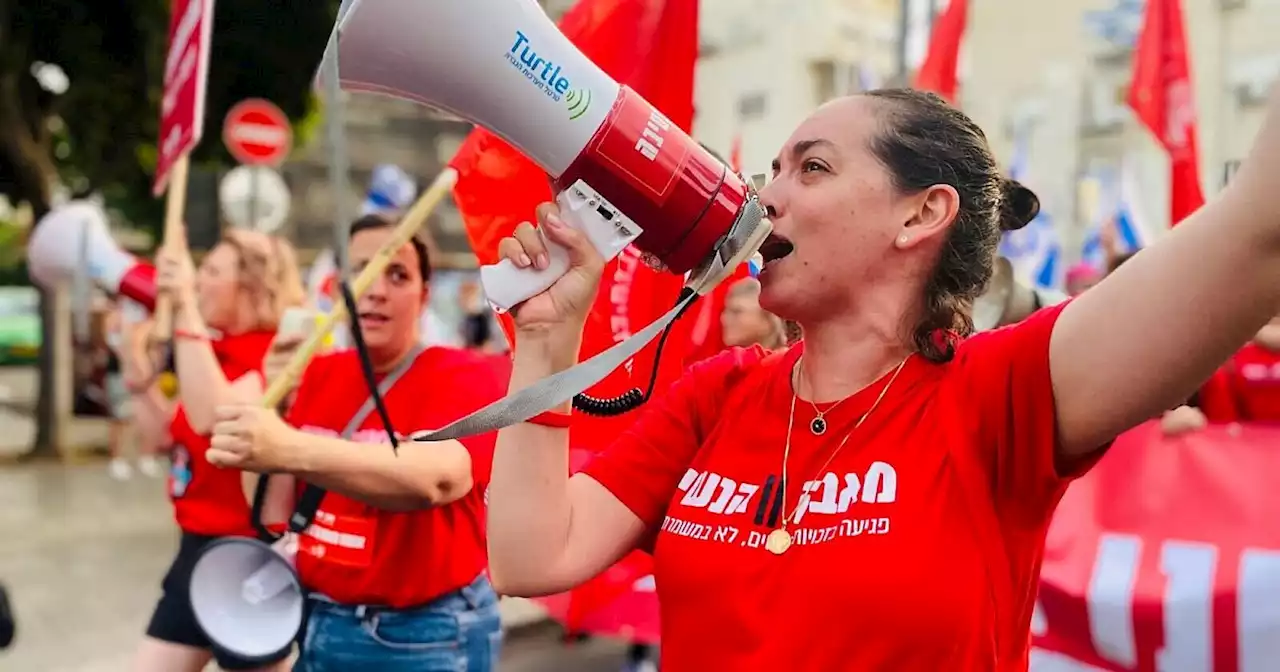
(633, 398)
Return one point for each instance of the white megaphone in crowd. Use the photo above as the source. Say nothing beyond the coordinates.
(73, 241)
(623, 171)
(247, 598)
(1007, 301)
(245, 593)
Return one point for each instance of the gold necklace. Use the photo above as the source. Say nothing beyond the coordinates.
(818, 426)
(779, 540)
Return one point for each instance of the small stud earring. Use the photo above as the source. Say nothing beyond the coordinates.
(902, 240)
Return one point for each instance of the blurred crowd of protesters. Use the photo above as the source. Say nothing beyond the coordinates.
(135, 387)
(120, 379)
(1245, 389)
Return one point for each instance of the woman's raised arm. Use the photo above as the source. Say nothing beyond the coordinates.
(1145, 338)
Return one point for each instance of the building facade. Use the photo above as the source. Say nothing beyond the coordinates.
(1063, 92)
(766, 64)
(378, 130)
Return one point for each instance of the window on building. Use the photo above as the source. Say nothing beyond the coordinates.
(1105, 101)
(752, 105)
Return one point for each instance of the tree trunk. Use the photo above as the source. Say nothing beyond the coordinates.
(28, 148)
(51, 415)
(50, 425)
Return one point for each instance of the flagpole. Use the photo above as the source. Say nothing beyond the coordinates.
(339, 168)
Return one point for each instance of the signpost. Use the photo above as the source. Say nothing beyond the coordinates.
(254, 197)
(258, 135)
(186, 72)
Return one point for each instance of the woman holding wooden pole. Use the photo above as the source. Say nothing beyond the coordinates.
(225, 315)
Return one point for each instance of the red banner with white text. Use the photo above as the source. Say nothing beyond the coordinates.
(1167, 557)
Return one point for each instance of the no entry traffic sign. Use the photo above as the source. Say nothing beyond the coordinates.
(257, 133)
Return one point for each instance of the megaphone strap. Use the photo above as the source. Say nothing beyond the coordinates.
(553, 391)
(312, 495)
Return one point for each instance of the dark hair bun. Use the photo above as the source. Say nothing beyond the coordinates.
(1020, 205)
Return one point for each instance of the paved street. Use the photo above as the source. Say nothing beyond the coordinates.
(83, 555)
(18, 390)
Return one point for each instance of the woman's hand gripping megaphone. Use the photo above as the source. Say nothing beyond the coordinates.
(507, 284)
(559, 312)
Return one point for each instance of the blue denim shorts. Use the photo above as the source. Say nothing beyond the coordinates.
(458, 632)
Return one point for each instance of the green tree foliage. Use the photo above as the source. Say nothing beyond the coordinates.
(99, 134)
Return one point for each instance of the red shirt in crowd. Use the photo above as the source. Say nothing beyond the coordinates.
(357, 554)
(1246, 389)
(922, 543)
(208, 500)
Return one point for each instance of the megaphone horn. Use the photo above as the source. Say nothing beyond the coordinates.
(247, 598)
(78, 228)
(1007, 301)
(624, 172)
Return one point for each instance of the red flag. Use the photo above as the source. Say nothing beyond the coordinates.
(735, 154)
(706, 333)
(651, 46)
(1161, 97)
(938, 72)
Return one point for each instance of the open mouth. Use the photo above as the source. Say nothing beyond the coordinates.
(373, 318)
(775, 247)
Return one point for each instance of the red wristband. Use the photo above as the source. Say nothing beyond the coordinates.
(184, 335)
(551, 419)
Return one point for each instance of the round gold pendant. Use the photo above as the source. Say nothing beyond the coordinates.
(778, 542)
(818, 426)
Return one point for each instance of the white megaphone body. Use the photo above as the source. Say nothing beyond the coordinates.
(1007, 301)
(74, 240)
(247, 598)
(623, 171)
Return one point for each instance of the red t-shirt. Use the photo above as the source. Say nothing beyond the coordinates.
(206, 499)
(1246, 389)
(921, 546)
(357, 554)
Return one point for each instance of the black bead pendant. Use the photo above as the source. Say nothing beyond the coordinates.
(818, 426)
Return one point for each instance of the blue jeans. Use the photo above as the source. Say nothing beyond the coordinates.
(458, 632)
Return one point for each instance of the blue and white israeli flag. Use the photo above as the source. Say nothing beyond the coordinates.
(1120, 209)
(1035, 250)
(391, 190)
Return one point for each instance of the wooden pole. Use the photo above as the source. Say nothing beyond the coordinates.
(404, 231)
(174, 210)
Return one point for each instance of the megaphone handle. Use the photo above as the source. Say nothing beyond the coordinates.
(506, 285)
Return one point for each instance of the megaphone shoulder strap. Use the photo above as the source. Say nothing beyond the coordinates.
(312, 495)
(554, 390)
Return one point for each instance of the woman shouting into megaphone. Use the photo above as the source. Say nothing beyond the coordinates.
(876, 496)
